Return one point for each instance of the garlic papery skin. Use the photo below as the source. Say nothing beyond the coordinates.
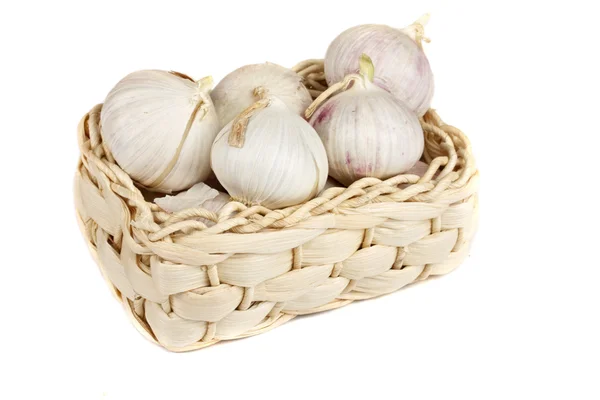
(194, 197)
(198, 196)
(236, 91)
(367, 132)
(159, 126)
(402, 67)
(217, 203)
(270, 156)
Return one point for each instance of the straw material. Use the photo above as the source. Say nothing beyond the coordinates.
(187, 286)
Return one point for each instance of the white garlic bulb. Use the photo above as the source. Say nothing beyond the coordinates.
(367, 131)
(270, 156)
(236, 91)
(402, 67)
(159, 126)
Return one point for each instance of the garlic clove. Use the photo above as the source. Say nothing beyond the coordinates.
(402, 67)
(270, 156)
(236, 91)
(159, 126)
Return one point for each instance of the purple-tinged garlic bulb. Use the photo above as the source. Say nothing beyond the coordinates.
(366, 131)
(402, 67)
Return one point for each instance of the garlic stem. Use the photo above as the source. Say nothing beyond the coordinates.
(331, 90)
(342, 86)
(260, 92)
(367, 69)
(237, 136)
(205, 83)
(417, 30)
(367, 72)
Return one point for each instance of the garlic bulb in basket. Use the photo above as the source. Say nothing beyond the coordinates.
(367, 131)
(236, 91)
(402, 67)
(159, 126)
(269, 156)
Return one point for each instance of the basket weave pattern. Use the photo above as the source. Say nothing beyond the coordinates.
(187, 286)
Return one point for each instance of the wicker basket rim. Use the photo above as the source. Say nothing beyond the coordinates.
(447, 151)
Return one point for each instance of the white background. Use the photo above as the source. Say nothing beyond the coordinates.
(519, 320)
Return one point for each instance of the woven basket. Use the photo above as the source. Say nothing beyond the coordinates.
(187, 286)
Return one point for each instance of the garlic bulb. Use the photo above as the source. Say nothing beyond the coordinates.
(366, 131)
(159, 126)
(402, 67)
(270, 156)
(236, 91)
